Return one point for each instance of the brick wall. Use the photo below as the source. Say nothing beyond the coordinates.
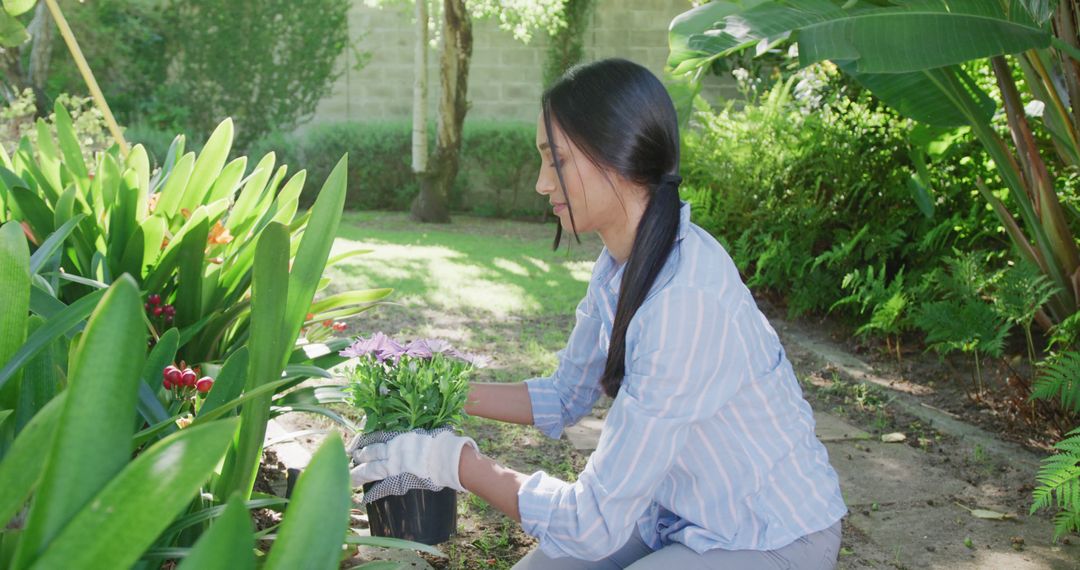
(505, 79)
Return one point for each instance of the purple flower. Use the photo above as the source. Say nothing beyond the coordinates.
(419, 349)
(379, 345)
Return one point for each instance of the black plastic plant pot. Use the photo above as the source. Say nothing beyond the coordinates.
(419, 515)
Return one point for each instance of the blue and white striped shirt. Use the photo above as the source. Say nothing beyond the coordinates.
(709, 442)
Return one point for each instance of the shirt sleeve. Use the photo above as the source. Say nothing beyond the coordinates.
(562, 399)
(687, 359)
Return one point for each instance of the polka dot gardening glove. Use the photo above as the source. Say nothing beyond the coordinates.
(429, 457)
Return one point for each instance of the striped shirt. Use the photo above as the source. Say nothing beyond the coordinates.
(709, 442)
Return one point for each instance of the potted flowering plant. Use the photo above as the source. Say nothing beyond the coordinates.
(418, 386)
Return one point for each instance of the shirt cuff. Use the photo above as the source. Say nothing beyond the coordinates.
(536, 499)
(546, 406)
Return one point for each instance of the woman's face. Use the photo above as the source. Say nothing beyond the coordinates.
(593, 196)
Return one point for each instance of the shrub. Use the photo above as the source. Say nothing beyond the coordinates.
(499, 165)
(813, 182)
(286, 63)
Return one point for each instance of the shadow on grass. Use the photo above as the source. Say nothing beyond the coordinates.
(474, 265)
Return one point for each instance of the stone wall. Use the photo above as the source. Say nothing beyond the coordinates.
(505, 80)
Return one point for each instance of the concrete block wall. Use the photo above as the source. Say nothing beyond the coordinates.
(505, 79)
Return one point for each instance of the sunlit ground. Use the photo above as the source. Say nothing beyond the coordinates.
(474, 264)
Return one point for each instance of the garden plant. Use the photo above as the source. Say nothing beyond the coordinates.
(417, 387)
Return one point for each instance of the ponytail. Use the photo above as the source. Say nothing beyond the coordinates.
(653, 242)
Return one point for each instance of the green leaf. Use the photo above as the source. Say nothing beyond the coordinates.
(48, 155)
(228, 181)
(244, 208)
(228, 545)
(12, 32)
(318, 515)
(172, 192)
(35, 210)
(190, 282)
(270, 289)
(208, 166)
(349, 298)
(315, 248)
(41, 376)
(52, 244)
(93, 442)
(211, 513)
(926, 96)
(15, 290)
(163, 353)
(69, 146)
(229, 383)
(18, 7)
(122, 520)
(21, 468)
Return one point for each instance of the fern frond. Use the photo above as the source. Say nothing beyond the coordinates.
(1060, 377)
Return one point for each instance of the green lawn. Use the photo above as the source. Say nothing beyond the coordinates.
(479, 265)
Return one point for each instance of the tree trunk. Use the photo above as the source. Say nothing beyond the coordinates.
(432, 204)
(41, 31)
(419, 132)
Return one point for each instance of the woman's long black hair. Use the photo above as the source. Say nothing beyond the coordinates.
(619, 114)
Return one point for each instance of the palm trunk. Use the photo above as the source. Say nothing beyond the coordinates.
(432, 204)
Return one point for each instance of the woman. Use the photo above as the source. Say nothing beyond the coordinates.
(708, 456)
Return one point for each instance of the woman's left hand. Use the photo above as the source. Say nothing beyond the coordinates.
(435, 457)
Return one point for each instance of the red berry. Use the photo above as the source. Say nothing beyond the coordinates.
(158, 311)
(204, 384)
(155, 299)
(328, 323)
(172, 374)
(147, 306)
(340, 326)
(168, 385)
(188, 377)
(170, 310)
(309, 316)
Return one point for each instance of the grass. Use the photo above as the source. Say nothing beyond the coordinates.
(491, 287)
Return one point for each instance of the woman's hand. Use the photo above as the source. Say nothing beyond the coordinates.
(429, 457)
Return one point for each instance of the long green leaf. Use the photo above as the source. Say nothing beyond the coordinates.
(349, 298)
(229, 383)
(93, 442)
(228, 181)
(125, 517)
(318, 515)
(69, 146)
(22, 466)
(208, 166)
(270, 290)
(163, 354)
(189, 284)
(315, 248)
(15, 289)
(52, 244)
(41, 377)
(211, 513)
(228, 545)
(172, 191)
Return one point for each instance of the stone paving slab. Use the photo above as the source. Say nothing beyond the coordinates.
(585, 434)
(874, 472)
(831, 428)
(933, 537)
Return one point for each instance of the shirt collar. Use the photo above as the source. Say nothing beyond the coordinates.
(614, 270)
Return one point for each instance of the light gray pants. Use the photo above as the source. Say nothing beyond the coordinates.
(816, 551)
